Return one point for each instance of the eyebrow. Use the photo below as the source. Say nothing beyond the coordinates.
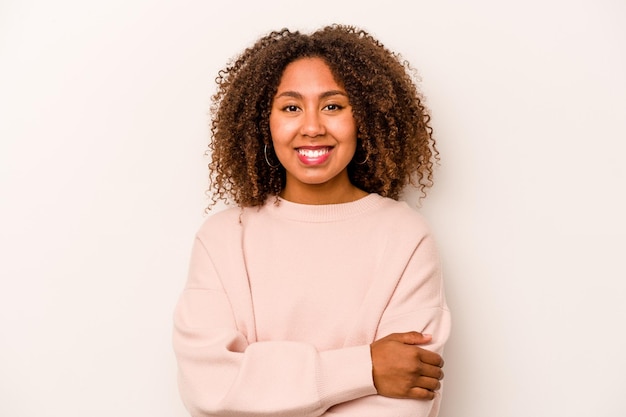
(325, 94)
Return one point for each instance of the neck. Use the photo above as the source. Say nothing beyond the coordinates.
(318, 194)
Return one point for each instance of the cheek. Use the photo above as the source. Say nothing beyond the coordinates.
(346, 129)
(273, 126)
(279, 129)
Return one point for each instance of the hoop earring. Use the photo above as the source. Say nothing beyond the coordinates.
(267, 159)
(367, 157)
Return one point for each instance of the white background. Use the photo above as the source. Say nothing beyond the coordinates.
(103, 126)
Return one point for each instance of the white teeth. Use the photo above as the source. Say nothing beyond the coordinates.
(310, 153)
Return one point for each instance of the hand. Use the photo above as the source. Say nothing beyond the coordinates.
(403, 370)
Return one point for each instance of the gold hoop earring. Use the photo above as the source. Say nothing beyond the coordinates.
(267, 159)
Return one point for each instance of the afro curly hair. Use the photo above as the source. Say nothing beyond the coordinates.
(395, 145)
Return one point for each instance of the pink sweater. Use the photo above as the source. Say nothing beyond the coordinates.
(282, 303)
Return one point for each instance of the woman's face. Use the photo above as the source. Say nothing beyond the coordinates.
(313, 129)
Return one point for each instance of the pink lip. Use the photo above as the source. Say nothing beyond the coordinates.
(314, 155)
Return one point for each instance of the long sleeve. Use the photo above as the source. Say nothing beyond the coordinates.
(221, 373)
(282, 303)
(417, 304)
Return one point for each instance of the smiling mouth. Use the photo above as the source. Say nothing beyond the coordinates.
(314, 156)
(313, 153)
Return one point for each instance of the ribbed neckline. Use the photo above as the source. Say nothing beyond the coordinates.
(321, 213)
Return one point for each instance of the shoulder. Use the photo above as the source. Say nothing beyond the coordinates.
(221, 223)
(400, 216)
(402, 231)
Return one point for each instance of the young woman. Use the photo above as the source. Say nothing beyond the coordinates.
(320, 293)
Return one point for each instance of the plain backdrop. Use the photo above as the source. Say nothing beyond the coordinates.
(103, 129)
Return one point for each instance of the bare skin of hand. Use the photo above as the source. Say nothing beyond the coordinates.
(401, 369)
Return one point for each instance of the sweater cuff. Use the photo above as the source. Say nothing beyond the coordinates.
(345, 374)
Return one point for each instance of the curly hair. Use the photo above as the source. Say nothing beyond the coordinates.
(395, 146)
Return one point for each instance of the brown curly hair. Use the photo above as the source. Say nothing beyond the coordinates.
(394, 136)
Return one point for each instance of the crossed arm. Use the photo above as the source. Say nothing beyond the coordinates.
(220, 373)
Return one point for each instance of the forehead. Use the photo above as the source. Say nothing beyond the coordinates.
(308, 74)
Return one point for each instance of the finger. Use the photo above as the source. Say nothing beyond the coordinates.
(411, 338)
(430, 371)
(430, 384)
(431, 358)
(421, 394)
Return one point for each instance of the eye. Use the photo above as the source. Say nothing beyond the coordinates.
(333, 107)
(290, 108)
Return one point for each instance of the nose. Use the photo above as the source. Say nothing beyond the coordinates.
(312, 124)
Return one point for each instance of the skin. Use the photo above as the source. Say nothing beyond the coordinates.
(311, 113)
(314, 137)
(401, 369)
